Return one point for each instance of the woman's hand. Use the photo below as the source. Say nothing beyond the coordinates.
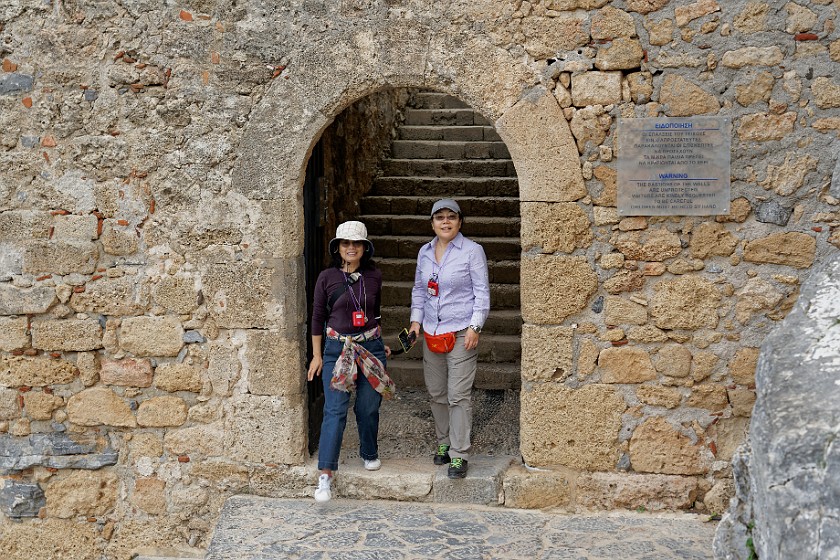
(415, 328)
(471, 340)
(315, 367)
(387, 351)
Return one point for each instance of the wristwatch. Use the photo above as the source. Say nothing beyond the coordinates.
(476, 328)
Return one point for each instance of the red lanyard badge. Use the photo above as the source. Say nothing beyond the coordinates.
(432, 287)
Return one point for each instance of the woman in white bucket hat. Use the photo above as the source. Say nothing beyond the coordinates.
(345, 318)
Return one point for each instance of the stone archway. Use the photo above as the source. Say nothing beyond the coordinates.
(317, 85)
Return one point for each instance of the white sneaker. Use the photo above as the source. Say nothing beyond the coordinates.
(372, 464)
(324, 491)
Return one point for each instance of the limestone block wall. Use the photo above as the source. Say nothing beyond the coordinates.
(151, 296)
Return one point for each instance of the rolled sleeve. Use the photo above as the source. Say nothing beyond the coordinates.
(480, 277)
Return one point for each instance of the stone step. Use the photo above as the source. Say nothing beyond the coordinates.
(502, 296)
(479, 226)
(497, 376)
(406, 247)
(437, 149)
(402, 270)
(473, 133)
(406, 428)
(471, 206)
(395, 167)
(161, 553)
(436, 100)
(500, 321)
(444, 117)
(441, 187)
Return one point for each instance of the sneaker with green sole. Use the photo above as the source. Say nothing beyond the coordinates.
(457, 468)
(442, 455)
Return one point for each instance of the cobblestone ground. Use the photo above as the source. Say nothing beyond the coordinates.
(253, 528)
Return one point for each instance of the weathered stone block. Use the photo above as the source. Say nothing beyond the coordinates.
(51, 538)
(578, 428)
(554, 227)
(178, 377)
(13, 333)
(547, 352)
(206, 439)
(654, 395)
(9, 407)
(128, 295)
(152, 336)
(621, 311)
(590, 127)
(255, 420)
(118, 240)
(126, 372)
(74, 335)
(788, 177)
(24, 224)
(555, 287)
(762, 127)
(690, 12)
(176, 293)
(825, 93)
(148, 495)
(742, 367)
(674, 360)
(555, 176)
(623, 53)
(685, 303)
(88, 493)
(658, 447)
(537, 489)
(789, 248)
(596, 88)
(609, 23)
(742, 401)
(728, 434)
(75, 228)
(21, 499)
(684, 99)
(544, 37)
(649, 245)
(625, 364)
(712, 239)
(757, 90)
(17, 371)
(280, 215)
(224, 367)
(752, 56)
(710, 397)
(25, 301)
(160, 412)
(756, 295)
(653, 492)
(59, 257)
(40, 406)
(236, 304)
(275, 364)
(97, 406)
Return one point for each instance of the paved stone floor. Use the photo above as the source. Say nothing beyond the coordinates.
(254, 528)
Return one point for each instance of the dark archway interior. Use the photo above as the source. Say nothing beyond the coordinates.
(384, 161)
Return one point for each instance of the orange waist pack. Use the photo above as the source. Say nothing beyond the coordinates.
(440, 343)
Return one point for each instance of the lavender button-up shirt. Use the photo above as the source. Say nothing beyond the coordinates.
(464, 287)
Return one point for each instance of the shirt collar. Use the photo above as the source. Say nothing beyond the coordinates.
(457, 241)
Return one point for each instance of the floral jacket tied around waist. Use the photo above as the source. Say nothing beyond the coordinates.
(354, 357)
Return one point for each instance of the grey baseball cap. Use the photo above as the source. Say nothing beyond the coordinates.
(446, 203)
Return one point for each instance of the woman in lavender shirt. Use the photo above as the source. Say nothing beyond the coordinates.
(451, 294)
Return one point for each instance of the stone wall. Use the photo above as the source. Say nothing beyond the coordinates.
(151, 294)
(786, 478)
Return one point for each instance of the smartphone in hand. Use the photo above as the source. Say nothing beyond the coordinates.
(407, 339)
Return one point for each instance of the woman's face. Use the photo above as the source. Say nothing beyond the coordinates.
(446, 224)
(351, 252)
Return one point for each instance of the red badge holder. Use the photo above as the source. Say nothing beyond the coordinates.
(359, 319)
(432, 288)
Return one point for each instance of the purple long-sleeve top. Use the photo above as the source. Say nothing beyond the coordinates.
(367, 291)
(463, 283)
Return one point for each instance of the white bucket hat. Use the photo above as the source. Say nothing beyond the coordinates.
(352, 231)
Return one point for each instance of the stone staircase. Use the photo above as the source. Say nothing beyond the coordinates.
(446, 149)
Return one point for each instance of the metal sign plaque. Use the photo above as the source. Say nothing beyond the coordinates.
(674, 166)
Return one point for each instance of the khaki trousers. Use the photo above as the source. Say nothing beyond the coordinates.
(449, 379)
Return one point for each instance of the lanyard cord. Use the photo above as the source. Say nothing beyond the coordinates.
(362, 294)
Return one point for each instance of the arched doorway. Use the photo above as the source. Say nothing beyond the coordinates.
(433, 146)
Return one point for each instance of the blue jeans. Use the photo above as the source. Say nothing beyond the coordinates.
(336, 404)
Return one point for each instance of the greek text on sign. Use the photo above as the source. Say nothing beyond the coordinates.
(674, 167)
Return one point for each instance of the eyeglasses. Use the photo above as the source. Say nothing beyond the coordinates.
(446, 217)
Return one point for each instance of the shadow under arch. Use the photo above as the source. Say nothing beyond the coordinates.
(291, 117)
